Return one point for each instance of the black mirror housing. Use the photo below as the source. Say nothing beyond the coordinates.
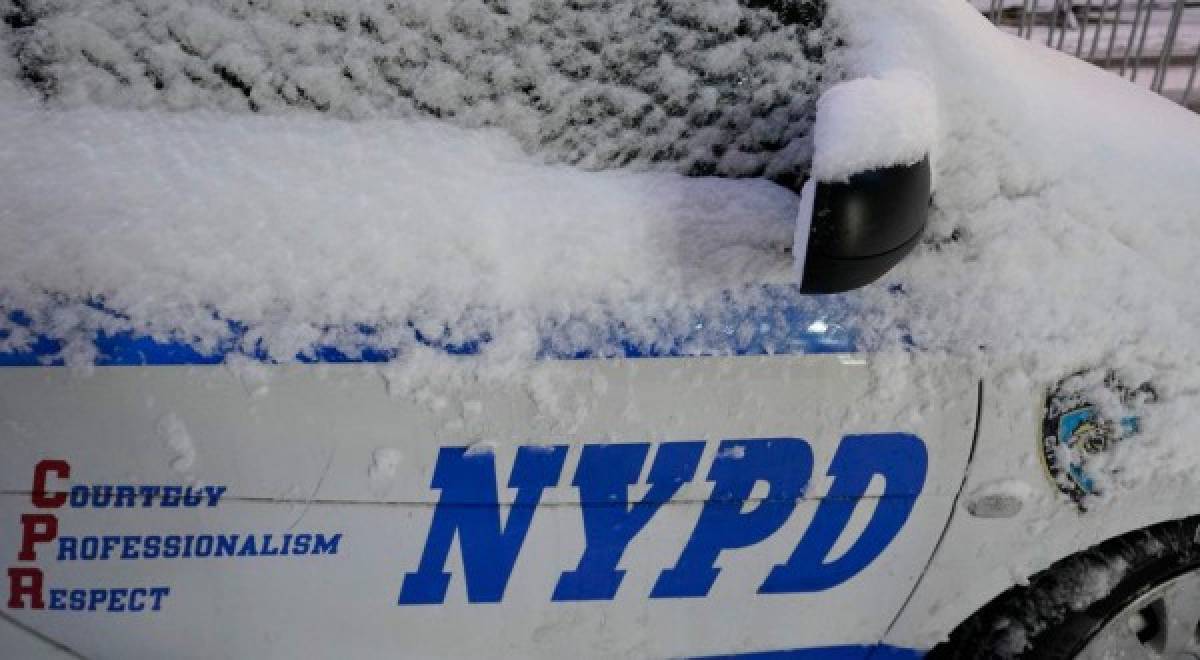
(863, 227)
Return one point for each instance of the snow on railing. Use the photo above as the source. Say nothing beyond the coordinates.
(1155, 43)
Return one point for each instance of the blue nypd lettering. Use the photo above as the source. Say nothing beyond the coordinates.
(730, 519)
(902, 462)
(603, 478)
(785, 464)
(469, 507)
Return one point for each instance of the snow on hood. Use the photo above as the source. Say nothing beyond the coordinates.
(1065, 228)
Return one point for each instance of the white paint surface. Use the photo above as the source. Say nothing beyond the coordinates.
(294, 459)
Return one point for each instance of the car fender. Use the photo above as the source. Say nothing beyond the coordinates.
(1012, 521)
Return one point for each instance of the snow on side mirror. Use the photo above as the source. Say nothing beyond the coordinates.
(867, 202)
(861, 228)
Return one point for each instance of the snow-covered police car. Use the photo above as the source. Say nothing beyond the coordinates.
(502, 328)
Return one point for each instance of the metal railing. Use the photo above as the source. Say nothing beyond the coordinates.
(1155, 43)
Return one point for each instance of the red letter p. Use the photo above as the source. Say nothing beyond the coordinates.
(36, 528)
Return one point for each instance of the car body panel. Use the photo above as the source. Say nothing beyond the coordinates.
(327, 449)
(982, 556)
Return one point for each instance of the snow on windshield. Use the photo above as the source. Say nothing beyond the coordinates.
(710, 87)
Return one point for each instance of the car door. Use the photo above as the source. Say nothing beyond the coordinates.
(653, 506)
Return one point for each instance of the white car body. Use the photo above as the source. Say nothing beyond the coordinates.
(315, 464)
(325, 449)
(758, 498)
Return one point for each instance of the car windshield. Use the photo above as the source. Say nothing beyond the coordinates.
(706, 88)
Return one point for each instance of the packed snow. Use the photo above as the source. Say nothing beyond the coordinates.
(297, 224)
(142, 181)
(1064, 231)
(868, 122)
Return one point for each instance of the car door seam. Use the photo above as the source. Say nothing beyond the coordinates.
(41, 636)
(949, 519)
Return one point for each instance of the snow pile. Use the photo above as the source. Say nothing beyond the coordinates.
(301, 228)
(1065, 227)
(867, 123)
(701, 87)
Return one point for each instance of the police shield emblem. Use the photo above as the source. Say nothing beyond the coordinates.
(1077, 433)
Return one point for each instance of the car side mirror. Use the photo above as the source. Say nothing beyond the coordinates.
(861, 228)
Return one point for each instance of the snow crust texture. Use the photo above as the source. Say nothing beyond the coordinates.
(1064, 231)
(313, 232)
(868, 123)
(1063, 239)
(701, 87)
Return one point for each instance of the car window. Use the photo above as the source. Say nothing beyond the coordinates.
(707, 88)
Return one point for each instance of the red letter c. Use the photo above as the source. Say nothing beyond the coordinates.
(41, 498)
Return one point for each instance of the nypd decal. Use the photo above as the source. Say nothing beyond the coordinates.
(755, 487)
(1076, 435)
(469, 510)
(663, 508)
